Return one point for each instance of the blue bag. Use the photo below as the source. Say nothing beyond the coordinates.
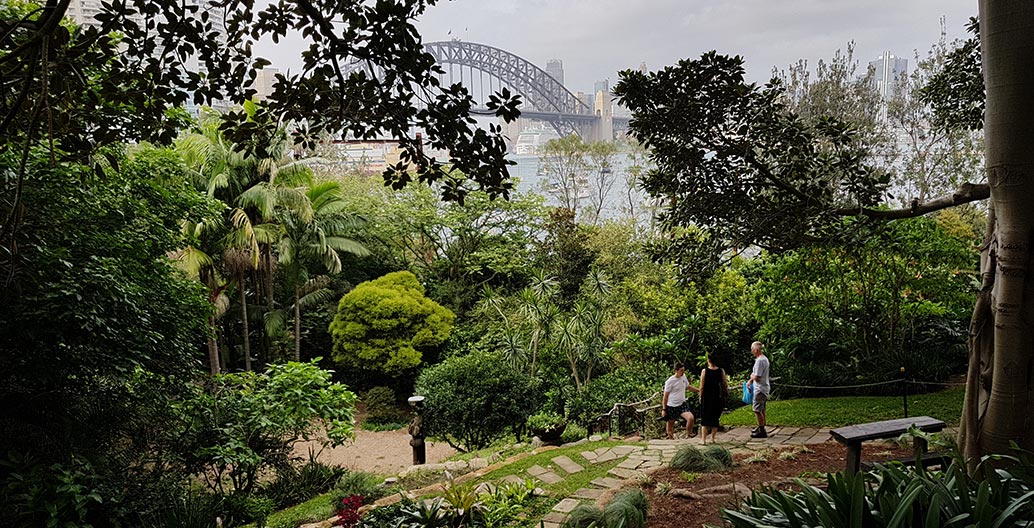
(748, 395)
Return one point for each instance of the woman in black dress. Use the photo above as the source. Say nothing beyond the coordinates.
(713, 388)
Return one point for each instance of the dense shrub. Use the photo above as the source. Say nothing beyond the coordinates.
(386, 516)
(855, 314)
(246, 423)
(474, 399)
(573, 433)
(387, 324)
(294, 485)
(382, 408)
(625, 384)
(366, 485)
(194, 509)
(238, 509)
(935, 350)
(90, 301)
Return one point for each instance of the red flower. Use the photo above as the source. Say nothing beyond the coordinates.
(348, 511)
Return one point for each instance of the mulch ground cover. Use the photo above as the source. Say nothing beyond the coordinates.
(666, 510)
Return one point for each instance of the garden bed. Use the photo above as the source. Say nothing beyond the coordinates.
(670, 511)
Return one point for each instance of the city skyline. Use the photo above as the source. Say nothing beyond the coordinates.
(595, 40)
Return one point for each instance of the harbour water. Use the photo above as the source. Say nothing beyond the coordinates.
(615, 204)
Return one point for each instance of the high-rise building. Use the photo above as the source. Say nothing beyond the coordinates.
(555, 69)
(84, 12)
(264, 80)
(601, 86)
(589, 100)
(888, 71)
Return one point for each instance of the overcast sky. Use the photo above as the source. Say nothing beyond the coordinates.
(597, 38)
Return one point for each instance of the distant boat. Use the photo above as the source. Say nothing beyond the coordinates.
(531, 140)
(605, 170)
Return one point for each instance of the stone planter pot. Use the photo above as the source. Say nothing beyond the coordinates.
(550, 436)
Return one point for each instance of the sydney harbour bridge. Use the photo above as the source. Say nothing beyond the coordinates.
(484, 70)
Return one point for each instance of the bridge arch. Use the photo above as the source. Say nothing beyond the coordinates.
(542, 93)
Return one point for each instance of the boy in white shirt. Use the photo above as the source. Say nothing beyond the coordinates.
(674, 402)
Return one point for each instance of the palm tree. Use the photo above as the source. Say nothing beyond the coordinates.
(313, 230)
(251, 189)
(198, 265)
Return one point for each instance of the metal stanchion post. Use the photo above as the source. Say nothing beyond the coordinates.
(904, 391)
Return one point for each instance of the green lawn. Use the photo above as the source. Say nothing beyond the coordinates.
(314, 510)
(847, 410)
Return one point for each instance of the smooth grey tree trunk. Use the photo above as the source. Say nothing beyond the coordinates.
(297, 325)
(213, 347)
(244, 326)
(999, 399)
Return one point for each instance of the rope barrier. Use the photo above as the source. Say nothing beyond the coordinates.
(875, 384)
(839, 386)
(936, 383)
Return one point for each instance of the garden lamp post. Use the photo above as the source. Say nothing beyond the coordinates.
(416, 430)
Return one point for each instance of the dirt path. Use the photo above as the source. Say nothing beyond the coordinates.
(384, 452)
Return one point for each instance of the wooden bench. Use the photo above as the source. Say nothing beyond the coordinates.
(853, 435)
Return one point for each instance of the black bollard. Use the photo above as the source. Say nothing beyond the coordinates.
(416, 430)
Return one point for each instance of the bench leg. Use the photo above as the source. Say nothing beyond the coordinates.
(854, 457)
(920, 447)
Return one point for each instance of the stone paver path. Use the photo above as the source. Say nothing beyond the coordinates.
(568, 465)
(544, 474)
(635, 459)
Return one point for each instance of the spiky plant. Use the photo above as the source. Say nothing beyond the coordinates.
(626, 510)
(720, 455)
(584, 516)
(690, 458)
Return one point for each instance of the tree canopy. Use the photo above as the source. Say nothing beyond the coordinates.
(77, 89)
(734, 160)
(387, 324)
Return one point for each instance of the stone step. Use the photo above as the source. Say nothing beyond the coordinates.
(606, 482)
(566, 506)
(588, 493)
(626, 473)
(566, 464)
(554, 517)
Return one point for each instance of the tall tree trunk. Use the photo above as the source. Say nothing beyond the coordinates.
(267, 279)
(999, 392)
(297, 325)
(213, 346)
(244, 326)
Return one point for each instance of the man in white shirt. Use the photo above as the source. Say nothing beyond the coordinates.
(761, 386)
(674, 402)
